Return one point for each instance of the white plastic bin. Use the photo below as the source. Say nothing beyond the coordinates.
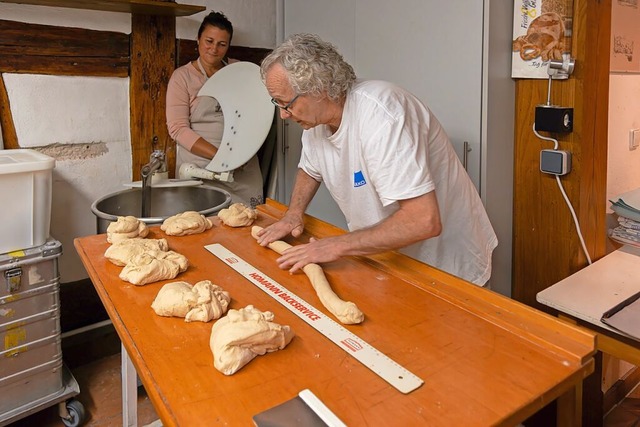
(25, 188)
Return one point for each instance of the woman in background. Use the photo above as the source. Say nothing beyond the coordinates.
(196, 123)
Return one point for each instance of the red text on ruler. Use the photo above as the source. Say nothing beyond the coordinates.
(292, 301)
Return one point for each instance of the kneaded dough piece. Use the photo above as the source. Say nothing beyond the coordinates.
(202, 302)
(126, 227)
(121, 252)
(243, 334)
(186, 223)
(346, 311)
(212, 302)
(238, 215)
(152, 266)
(175, 299)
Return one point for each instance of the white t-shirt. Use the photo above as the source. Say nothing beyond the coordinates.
(390, 147)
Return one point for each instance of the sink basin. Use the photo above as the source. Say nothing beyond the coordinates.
(165, 202)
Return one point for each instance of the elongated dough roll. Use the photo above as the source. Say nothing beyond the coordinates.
(346, 311)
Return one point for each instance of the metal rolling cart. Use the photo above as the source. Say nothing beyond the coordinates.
(32, 373)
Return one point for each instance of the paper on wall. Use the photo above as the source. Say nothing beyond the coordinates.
(541, 31)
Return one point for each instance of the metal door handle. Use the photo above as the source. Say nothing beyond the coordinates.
(465, 154)
(285, 143)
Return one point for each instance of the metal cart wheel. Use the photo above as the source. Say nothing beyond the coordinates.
(75, 413)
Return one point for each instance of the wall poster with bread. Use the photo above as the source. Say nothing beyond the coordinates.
(541, 31)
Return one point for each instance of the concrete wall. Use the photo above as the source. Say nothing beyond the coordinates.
(84, 121)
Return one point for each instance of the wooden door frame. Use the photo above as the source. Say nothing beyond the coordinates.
(546, 246)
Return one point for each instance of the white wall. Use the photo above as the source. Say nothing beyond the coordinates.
(623, 171)
(85, 120)
(254, 21)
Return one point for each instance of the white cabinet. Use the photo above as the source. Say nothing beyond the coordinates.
(442, 52)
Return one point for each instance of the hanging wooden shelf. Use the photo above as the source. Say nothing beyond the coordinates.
(145, 7)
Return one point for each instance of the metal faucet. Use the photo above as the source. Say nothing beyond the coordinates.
(157, 163)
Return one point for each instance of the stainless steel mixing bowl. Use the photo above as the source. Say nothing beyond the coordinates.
(165, 202)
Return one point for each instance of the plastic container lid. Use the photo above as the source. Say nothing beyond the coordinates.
(24, 160)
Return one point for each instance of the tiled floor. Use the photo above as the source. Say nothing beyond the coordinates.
(100, 393)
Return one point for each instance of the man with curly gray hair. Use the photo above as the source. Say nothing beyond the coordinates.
(386, 161)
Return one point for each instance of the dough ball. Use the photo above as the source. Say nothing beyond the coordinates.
(243, 334)
(121, 252)
(202, 302)
(174, 299)
(152, 266)
(126, 227)
(238, 215)
(186, 223)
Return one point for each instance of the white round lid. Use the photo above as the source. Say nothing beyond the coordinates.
(248, 113)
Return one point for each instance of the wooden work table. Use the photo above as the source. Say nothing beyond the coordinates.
(484, 358)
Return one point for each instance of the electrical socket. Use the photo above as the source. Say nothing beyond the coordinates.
(555, 162)
(634, 139)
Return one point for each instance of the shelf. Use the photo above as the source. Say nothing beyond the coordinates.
(145, 7)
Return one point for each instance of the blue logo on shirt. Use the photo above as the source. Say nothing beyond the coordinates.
(358, 179)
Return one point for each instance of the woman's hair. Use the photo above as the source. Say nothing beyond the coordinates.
(313, 66)
(218, 20)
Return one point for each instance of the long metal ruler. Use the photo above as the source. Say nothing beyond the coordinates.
(378, 362)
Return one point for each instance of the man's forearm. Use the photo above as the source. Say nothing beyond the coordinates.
(303, 191)
(416, 220)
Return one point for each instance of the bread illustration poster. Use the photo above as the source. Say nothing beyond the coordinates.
(541, 31)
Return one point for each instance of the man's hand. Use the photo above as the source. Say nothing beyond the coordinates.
(293, 220)
(289, 224)
(316, 251)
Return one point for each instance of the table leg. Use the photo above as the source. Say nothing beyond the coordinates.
(569, 408)
(592, 396)
(129, 391)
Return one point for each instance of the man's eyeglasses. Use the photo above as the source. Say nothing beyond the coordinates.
(285, 107)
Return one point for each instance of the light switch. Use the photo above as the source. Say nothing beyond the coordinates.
(634, 139)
